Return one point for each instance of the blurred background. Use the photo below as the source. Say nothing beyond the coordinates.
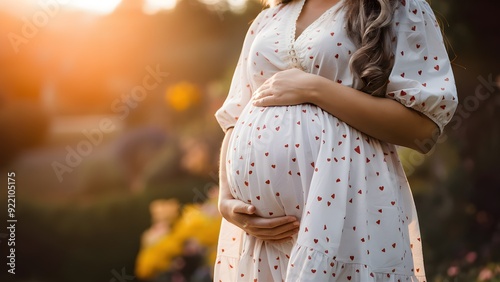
(106, 118)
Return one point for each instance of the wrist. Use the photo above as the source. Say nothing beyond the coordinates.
(222, 203)
(221, 207)
(314, 89)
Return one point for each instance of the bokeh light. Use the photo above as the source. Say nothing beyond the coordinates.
(95, 6)
(106, 117)
(154, 6)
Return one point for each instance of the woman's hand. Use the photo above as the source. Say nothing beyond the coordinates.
(277, 229)
(285, 88)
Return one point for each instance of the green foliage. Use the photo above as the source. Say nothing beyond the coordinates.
(84, 242)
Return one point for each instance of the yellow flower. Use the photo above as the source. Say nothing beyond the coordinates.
(195, 223)
(182, 96)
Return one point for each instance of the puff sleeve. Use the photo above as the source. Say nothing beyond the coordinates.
(240, 90)
(422, 77)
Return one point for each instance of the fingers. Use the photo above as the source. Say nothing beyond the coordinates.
(262, 92)
(260, 102)
(280, 240)
(265, 98)
(284, 232)
(272, 229)
(270, 223)
(241, 207)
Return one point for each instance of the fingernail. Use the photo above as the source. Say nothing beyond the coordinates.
(296, 223)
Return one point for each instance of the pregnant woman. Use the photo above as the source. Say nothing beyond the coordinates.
(311, 187)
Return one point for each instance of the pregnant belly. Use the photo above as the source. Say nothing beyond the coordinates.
(272, 153)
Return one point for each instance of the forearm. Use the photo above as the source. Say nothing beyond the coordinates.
(381, 118)
(224, 192)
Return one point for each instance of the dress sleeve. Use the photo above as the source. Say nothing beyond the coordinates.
(240, 91)
(422, 77)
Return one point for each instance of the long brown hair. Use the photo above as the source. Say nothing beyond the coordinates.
(369, 26)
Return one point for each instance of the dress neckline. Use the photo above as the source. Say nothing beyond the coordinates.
(298, 12)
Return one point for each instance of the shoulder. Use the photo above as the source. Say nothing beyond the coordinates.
(264, 18)
(268, 13)
(413, 11)
(414, 15)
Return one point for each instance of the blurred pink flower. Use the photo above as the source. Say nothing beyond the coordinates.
(485, 274)
(453, 271)
(471, 257)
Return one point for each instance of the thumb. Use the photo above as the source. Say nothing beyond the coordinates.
(241, 207)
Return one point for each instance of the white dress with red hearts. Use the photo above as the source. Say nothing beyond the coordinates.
(357, 216)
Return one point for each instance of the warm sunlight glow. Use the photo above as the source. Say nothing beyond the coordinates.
(95, 6)
(237, 5)
(154, 6)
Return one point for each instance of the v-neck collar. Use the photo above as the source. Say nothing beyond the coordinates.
(295, 7)
(298, 12)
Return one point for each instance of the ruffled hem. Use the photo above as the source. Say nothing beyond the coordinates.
(226, 269)
(307, 264)
(317, 267)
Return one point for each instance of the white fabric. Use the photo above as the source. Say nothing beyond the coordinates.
(358, 219)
